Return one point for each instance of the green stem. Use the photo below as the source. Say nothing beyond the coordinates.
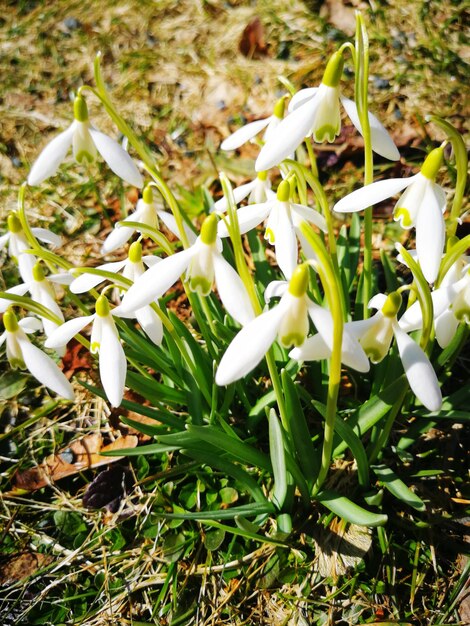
(385, 432)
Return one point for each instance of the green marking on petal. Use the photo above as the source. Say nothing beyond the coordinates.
(269, 236)
(84, 155)
(262, 175)
(10, 322)
(292, 339)
(13, 223)
(334, 70)
(326, 133)
(80, 109)
(375, 356)
(200, 284)
(102, 306)
(17, 364)
(433, 163)
(135, 252)
(402, 215)
(95, 347)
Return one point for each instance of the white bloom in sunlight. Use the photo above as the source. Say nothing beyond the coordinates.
(316, 111)
(105, 341)
(451, 304)
(289, 322)
(257, 191)
(148, 214)
(203, 264)
(132, 268)
(375, 336)
(249, 131)
(23, 354)
(85, 141)
(421, 206)
(17, 244)
(284, 219)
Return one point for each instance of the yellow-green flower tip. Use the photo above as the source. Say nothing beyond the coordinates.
(38, 273)
(392, 304)
(334, 70)
(433, 163)
(13, 223)
(283, 191)
(147, 195)
(10, 322)
(135, 252)
(279, 108)
(209, 230)
(80, 109)
(262, 175)
(102, 306)
(299, 282)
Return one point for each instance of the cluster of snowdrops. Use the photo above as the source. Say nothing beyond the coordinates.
(307, 310)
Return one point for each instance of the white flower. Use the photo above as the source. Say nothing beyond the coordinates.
(284, 219)
(105, 341)
(375, 336)
(316, 111)
(247, 132)
(147, 213)
(421, 206)
(17, 244)
(132, 268)
(289, 322)
(22, 353)
(85, 141)
(451, 305)
(257, 191)
(203, 264)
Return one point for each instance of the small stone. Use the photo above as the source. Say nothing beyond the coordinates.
(72, 23)
(381, 83)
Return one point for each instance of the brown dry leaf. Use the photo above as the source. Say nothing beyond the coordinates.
(23, 565)
(76, 358)
(340, 16)
(252, 43)
(82, 454)
(341, 546)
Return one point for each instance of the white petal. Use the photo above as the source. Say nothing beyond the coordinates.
(4, 239)
(430, 235)
(285, 242)
(151, 259)
(63, 278)
(47, 236)
(30, 324)
(51, 157)
(170, 222)
(113, 364)
(301, 97)
(156, 280)
(249, 346)
(377, 301)
(151, 323)
(446, 326)
(18, 290)
(117, 158)
(275, 289)
(352, 353)
(313, 349)
(371, 194)
(310, 215)
(381, 141)
(289, 135)
(45, 370)
(67, 331)
(117, 238)
(232, 291)
(86, 282)
(244, 134)
(239, 194)
(419, 371)
(248, 217)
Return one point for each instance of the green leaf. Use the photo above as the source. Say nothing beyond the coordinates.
(214, 539)
(12, 384)
(397, 487)
(278, 460)
(348, 510)
(246, 510)
(348, 436)
(154, 391)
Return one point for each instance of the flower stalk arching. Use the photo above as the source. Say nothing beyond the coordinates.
(451, 256)
(35, 245)
(155, 235)
(332, 289)
(361, 97)
(461, 163)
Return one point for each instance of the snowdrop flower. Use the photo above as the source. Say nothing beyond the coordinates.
(421, 206)
(21, 353)
(283, 223)
(85, 141)
(147, 213)
(249, 131)
(257, 191)
(132, 268)
(375, 336)
(316, 111)
(105, 341)
(203, 264)
(451, 305)
(289, 322)
(17, 244)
